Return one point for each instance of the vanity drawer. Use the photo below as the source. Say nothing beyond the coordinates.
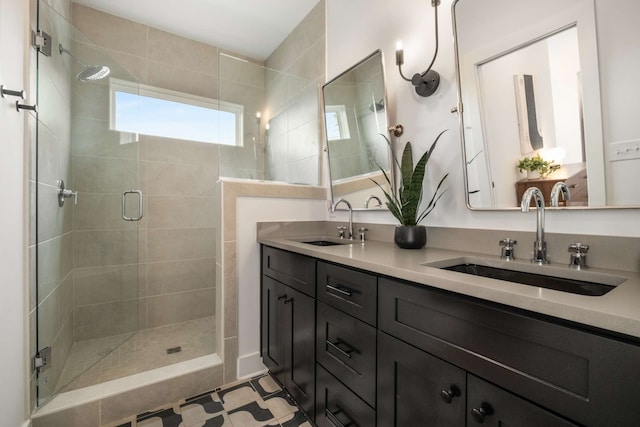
(563, 368)
(336, 405)
(346, 347)
(297, 271)
(351, 291)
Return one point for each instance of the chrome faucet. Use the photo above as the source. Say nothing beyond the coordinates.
(346, 202)
(559, 188)
(372, 197)
(539, 246)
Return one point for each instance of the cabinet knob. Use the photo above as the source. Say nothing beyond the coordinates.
(448, 395)
(281, 297)
(288, 300)
(479, 414)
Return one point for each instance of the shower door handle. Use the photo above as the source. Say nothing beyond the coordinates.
(124, 205)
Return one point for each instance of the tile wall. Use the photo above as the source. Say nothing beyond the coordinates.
(171, 253)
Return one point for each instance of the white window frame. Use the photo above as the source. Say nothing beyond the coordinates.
(343, 122)
(120, 85)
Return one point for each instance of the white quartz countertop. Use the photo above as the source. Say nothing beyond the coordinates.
(618, 310)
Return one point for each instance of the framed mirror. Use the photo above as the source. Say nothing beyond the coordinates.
(531, 83)
(355, 117)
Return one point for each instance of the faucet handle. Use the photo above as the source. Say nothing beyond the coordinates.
(578, 259)
(341, 230)
(508, 252)
(579, 248)
(508, 242)
(362, 231)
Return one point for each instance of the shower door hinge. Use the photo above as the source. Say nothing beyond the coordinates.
(42, 42)
(42, 359)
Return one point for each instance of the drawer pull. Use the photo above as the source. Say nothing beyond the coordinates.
(345, 353)
(448, 395)
(341, 290)
(335, 422)
(479, 414)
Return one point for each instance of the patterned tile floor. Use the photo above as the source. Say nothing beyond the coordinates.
(254, 403)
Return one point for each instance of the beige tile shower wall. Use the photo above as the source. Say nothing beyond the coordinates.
(293, 147)
(179, 178)
(172, 254)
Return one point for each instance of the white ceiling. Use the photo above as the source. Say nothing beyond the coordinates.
(253, 28)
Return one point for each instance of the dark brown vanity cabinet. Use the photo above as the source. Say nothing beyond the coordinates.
(418, 387)
(338, 406)
(491, 406)
(525, 361)
(288, 323)
(415, 388)
(345, 346)
(385, 352)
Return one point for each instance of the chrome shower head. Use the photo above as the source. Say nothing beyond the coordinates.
(93, 72)
(90, 73)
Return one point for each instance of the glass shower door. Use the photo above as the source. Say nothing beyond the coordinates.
(87, 218)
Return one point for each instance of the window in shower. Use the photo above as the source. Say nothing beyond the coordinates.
(148, 110)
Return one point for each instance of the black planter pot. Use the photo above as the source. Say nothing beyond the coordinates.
(410, 237)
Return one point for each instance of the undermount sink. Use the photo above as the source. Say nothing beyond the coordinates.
(548, 277)
(323, 241)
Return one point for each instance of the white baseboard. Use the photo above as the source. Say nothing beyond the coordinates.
(250, 365)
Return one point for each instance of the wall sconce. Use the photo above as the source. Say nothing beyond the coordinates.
(427, 82)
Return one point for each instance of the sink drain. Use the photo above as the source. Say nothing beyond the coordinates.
(173, 350)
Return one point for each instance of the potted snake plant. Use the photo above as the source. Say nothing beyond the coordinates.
(405, 200)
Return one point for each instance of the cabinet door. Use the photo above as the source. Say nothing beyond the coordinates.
(491, 406)
(415, 388)
(299, 334)
(272, 320)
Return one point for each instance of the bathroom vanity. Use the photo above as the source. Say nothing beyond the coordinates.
(367, 334)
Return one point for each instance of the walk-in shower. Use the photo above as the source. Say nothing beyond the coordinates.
(116, 293)
(116, 296)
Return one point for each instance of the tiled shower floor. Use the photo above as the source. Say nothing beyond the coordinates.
(95, 361)
(254, 403)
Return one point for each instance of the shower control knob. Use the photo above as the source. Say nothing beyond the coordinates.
(64, 193)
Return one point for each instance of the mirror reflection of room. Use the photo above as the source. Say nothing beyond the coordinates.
(540, 79)
(355, 114)
(532, 109)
